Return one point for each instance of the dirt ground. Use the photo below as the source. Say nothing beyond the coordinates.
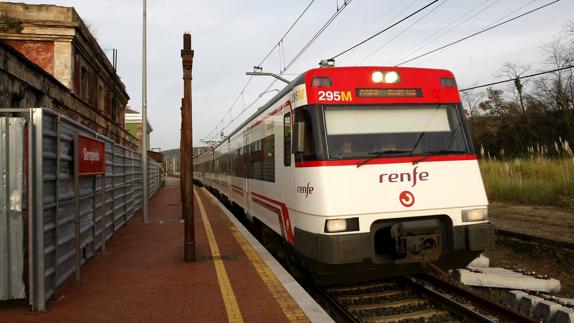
(542, 221)
(547, 222)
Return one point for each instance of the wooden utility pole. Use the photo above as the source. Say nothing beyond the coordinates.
(186, 154)
(182, 163)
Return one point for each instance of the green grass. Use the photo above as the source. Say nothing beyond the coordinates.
(538, 180)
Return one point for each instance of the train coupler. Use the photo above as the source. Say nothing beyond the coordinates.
(417, 241)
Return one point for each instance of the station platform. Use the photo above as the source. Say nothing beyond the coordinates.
(143, 278)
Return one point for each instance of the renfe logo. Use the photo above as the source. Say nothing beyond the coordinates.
(405, 177)
(407, 198)
(305, 190)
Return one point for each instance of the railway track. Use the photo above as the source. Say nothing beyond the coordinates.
(422, 298)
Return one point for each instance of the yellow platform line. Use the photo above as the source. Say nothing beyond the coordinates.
(291, 310)
(231, 306)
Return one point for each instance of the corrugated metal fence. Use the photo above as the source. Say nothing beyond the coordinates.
(51, 208)
(11, 217)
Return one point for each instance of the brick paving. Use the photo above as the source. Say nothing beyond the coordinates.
(144, 278)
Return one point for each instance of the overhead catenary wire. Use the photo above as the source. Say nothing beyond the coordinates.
(406, 55)
(455, 23)
(477, 33)
(241, 94)
(385, 29)
(403, 31)
(285, 68)
(514, 79)
(387, 13)
(318, 33)
(285, 34)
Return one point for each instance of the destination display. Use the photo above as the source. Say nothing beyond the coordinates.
(389, 93)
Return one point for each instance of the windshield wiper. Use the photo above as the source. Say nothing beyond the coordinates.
(377, 154)
(444, 151)
(417, 143)
(437, 153)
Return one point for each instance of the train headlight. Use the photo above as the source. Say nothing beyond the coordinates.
(475, 215)
(391, 77)
(337, 225)
(377, 77)
(385, 77)
(342, 225)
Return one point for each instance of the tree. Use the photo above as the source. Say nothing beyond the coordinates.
(472, 101)
(495, 105)
(557, 89)
(514, 71)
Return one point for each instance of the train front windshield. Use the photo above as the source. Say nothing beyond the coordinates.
(355, 132)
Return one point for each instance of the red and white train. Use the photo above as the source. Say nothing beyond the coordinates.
(359, 169)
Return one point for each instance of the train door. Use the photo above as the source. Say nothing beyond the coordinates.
(247, 176)
(285, 164)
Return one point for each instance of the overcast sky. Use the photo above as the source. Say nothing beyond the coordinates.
(230, 37)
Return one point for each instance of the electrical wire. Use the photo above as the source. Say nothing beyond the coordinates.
(514, 79)
(312, 40)
(242, 92)
(445, 30)
(285, 34)
(385, 29)
(401, 32)
(286, 67)
(477, 33)
(493, 23)
(387, 12)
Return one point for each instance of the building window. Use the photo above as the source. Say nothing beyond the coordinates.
(85, 84)
(101, 96)
(115, 111)
(109, 103)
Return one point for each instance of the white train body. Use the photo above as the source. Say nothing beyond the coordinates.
(373, 207)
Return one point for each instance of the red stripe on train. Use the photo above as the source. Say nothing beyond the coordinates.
(284, 213)
(379, 161)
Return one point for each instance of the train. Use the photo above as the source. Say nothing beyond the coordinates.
(358, 172)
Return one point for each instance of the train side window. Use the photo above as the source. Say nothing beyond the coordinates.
(269, 158)
(287, 139)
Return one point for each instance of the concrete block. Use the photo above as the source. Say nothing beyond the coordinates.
(513, 297)
(564, 316)
(545, 310)
(526, 305)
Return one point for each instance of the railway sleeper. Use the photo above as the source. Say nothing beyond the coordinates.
(388, 293)
(390, 306)
(429, 315)
(368, 287)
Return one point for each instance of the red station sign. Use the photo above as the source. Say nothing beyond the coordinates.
(91, 156)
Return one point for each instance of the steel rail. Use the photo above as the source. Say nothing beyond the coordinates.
(449, 304)
(338, 312)
(485, 304)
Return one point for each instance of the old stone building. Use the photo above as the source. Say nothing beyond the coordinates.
(49, 58)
